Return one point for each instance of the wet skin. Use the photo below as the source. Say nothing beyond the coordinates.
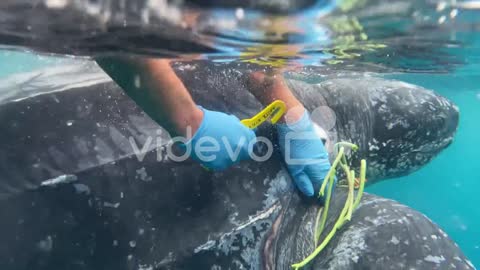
(122, 213)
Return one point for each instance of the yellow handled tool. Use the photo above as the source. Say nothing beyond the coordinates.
(273, 111)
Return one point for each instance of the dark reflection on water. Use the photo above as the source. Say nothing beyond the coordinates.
(408, 36)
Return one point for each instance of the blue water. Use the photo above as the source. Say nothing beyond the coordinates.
(13, 62)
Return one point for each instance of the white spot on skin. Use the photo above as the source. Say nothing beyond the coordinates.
(145, 267)
(350, 247)
(434, 237)
(70, 122)
(115, 243)
(373, 147)
(46, 244)
(132, 243)
(111, 205)
(141, 231)
(206, 246)
(56, 4)
(434, 259)
(394, 240)
(137, 82)
(142, 175)
(62, 179)
(397, 122)
(168, 259)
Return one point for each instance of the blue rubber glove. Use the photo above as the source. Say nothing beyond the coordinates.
(305, 155)
(225, 141)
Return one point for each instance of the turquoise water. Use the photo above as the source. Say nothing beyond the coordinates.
(13, 62)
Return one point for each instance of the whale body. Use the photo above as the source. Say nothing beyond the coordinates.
(76, 196)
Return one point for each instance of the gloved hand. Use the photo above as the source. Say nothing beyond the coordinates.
(305, 155)
(220, 141)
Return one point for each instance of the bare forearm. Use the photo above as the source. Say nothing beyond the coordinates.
(268, 88)
(155, 87)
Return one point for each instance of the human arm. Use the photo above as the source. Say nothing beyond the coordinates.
(304, 153)
(268, 88)
(154, 86)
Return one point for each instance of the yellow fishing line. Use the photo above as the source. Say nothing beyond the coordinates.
(351, 203)
(273, 112)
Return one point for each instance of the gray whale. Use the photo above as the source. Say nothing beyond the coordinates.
(399, 127)
(76, 197)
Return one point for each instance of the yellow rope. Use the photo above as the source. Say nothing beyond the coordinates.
(351, 203)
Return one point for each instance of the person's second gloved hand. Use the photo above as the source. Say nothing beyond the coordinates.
(220, 141)
(305, 155)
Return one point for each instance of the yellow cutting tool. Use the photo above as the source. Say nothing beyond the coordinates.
(273, 112)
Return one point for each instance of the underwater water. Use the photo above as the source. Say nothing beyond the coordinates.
(445, 59)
